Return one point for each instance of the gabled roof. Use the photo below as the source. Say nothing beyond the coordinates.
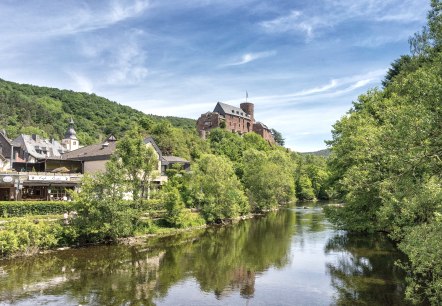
(5, 138)
(223, 109)
(99, 151)
(154, 145)
(102, 151)
(174, 159)
(49, 148)
(262, 125)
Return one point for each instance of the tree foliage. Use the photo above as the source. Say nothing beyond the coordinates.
(216, 190)
(137, 163)
(386, 160)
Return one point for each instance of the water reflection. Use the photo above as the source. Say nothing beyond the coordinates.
(292, 256)
(364, 272)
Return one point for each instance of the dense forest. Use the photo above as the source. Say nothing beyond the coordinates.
(386, 160)
(45, 111)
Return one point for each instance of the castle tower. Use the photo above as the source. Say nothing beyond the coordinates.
(249, 109)
(70, 141)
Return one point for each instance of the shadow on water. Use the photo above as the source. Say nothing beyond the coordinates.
(221, 261)
(364, 272)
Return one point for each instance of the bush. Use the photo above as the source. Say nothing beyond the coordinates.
(22, 208)
(102, 213)
(23, 236)
(422, 245)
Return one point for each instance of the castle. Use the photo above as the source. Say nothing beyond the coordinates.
(238, 120)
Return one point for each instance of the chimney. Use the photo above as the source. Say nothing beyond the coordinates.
(3, 131)
(35, 137)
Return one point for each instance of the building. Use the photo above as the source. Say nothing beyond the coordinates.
(94, 157)
(33, 148)
(70, 141)
(31, 167)
(239, 120)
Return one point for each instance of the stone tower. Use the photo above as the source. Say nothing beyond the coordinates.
(70, 141)
(249, 109)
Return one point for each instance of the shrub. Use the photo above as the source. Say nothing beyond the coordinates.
(23, 236)
(22, 208)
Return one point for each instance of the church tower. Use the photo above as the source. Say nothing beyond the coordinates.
(70, 141)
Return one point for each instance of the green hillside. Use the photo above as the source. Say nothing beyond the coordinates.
(33, 109)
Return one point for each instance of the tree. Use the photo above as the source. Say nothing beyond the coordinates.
(137, 162)
(216, 190)
(176, 214)
(268, 179)
(102, 214)
(278, 137)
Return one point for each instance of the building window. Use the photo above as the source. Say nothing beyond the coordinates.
(74, 143)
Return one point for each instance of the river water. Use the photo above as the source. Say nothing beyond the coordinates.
(290, 257)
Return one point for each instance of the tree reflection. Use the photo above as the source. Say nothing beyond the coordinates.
(222, 260)
(363, 272)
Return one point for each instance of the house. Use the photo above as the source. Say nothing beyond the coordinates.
(32, 167)
(239, 120)
(94, 157)
(4, 163)
(31, 148)
(6, 149)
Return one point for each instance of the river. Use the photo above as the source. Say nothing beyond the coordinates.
(290, 257)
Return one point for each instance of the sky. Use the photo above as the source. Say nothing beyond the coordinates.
(301, 62)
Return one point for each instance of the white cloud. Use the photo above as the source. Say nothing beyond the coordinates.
(335, 87)
(250, 57)
(27, 24)
(335, 12)
(81, 82)
(127, 64)
(295, 21)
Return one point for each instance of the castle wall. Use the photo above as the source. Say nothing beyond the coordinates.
(208, 121)
(265, 133)
(238, 124)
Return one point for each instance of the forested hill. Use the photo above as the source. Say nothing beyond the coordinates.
(33, 109)
(323, 153)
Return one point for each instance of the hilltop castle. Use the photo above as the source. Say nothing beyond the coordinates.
(239, 120)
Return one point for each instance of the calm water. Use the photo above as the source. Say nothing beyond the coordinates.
(292, 257)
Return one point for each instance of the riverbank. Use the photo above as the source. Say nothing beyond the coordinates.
(295, 250)
(31, 234)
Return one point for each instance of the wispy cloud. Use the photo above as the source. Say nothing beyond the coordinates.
(250, 57)
(335, 12)
(81, 82)
(335, 87)
(28, 23)
(87, 19)
(128, 64)
(295, 21)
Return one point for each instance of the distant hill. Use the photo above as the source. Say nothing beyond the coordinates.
(324, 153)
(41, 110)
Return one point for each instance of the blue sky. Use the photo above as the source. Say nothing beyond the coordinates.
(302, 62)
